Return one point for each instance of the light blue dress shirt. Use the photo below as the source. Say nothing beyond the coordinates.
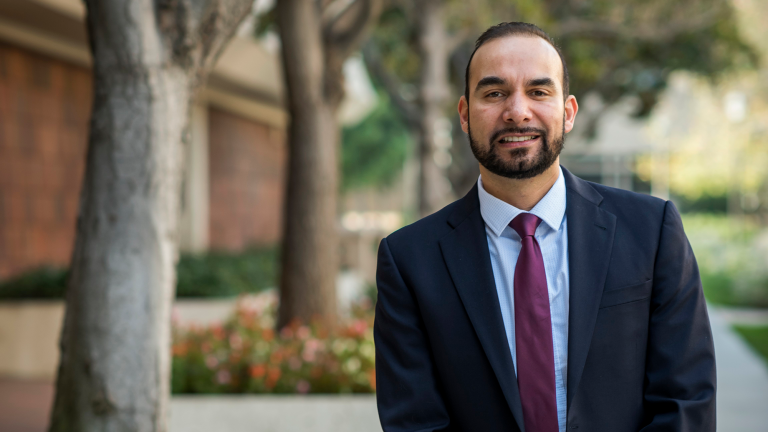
(504, 245)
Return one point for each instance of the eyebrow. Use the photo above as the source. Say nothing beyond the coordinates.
(489, 81)
(494, 80)
(540, 82)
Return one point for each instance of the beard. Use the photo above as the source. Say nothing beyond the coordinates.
(518, 167)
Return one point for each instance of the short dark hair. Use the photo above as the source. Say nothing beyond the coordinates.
(515, 29)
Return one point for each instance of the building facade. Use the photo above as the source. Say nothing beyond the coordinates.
(235, 168)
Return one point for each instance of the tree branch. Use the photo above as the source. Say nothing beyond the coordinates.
(216, 27)
(604, 30)
(196, 32)
(334, 11)
(344, 41)
(410, 113)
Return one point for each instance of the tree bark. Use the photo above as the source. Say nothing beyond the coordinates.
(434, 189)
(310, 257)
(149, 59)
(314, 48)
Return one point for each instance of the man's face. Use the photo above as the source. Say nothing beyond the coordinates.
(516, 105)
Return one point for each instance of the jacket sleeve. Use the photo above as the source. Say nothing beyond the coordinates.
(407, 393)
(680, 363)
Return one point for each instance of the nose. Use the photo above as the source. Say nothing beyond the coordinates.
(517, 110)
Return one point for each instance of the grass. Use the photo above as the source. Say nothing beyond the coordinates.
(731, 255)
(756, 336)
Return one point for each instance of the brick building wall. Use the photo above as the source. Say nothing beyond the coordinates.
(247, 174)
(44, 112)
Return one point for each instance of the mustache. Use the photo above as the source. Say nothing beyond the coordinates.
(517, 130)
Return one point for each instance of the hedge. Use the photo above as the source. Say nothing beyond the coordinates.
(213, 274)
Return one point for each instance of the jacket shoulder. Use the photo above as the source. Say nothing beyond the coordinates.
(641, 215)
(621, 197)
(618, 201)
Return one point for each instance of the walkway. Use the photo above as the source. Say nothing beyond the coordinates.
(742, 381)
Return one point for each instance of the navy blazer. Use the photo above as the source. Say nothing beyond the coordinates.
(640, 353)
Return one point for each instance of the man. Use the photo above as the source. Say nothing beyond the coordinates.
(539, 302)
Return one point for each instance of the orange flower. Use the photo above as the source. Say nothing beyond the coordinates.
(273, 374)
(257, 370)
(276, 357)
(268, 334)
(218, 331)
(372, 378)
(180, 349)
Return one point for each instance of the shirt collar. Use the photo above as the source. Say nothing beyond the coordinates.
(497, 214)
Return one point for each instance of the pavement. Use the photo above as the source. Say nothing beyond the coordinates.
(742, 401)
(742, 378)
(25, 405)
(313, 413)
(743, 316)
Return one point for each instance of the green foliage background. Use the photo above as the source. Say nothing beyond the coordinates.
(731, 256)
(374, 151)
(626, 46)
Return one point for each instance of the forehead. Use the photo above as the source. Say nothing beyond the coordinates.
(514, 58)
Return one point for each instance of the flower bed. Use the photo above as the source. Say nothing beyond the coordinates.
(245, 355)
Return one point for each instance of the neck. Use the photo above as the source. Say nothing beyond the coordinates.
(521, 193)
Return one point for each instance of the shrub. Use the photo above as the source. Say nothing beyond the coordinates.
(732, 255)
(245, 355)
(219, 274)
(213, 274)
(43, 283)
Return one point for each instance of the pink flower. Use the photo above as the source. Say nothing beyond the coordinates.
(286, 333)
(294, 363)
(303, 332)
(308, 355)
(223, 376)
(311, 347)
(211, 362)
(302, 386)
(359, 327)
(235, 341)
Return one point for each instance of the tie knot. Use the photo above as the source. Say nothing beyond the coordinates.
(525, 224)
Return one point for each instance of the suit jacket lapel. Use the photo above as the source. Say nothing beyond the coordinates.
(590, 241)
(466, 255)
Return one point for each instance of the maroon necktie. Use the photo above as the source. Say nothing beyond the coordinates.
(533, 332)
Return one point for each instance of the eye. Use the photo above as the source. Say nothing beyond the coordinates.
(538, 93)
(494, 94)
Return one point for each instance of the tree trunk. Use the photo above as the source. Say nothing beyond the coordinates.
(115, 344)
(315, 43)
(310, 252)
(434, 189)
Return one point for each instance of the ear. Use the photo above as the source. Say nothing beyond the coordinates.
(571, 108)
(464, 114)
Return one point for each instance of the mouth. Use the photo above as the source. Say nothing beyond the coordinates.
(512, 141)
